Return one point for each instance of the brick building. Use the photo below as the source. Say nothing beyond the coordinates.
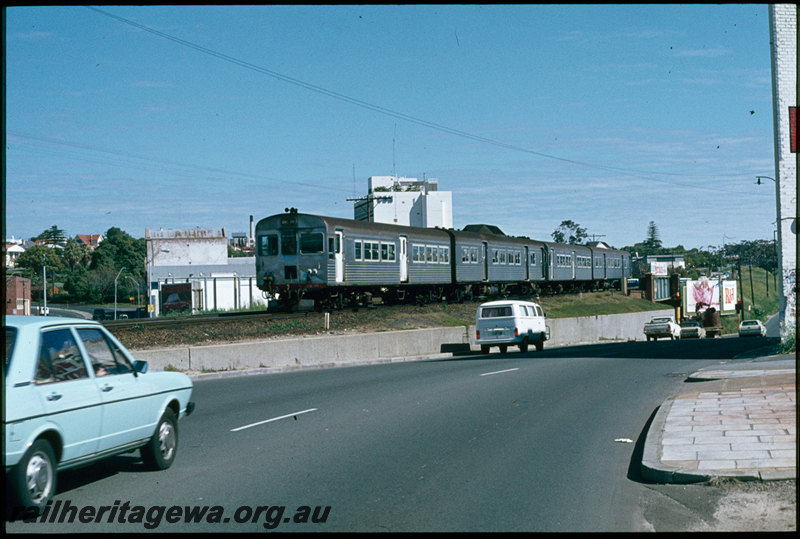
(18, 295)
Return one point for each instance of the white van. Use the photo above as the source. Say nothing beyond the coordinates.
(518, 323)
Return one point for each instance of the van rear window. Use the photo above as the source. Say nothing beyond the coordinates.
(496, 312)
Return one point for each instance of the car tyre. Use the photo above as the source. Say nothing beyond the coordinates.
(484, 349)
(161, 449)
(34, 477)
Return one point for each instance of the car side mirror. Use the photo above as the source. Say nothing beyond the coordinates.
(139, 366)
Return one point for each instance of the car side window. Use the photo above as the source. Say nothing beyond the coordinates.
(59, 358)
(105, 357)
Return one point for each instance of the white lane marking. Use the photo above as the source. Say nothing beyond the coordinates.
(272, 419)
(498, 372)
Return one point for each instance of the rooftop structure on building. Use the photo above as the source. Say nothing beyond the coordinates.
(405, 201)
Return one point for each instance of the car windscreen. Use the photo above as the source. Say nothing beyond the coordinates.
(11, 334)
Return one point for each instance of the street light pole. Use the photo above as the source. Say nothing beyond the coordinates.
(44, 282)
(115, 292)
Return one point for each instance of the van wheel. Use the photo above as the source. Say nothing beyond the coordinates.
(484, 349)
(523, 346)
(503, 348)
(539, 346)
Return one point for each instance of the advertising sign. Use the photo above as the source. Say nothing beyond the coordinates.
(176, 297)
(659, 268)
(702, 294)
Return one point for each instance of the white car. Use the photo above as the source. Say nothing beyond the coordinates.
(73, 395)
(752, 328)
(662, 326)
(512, 322)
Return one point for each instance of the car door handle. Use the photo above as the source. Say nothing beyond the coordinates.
(53, 396)
(106, 388)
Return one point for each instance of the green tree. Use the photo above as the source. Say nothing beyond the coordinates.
(32, 260)
(76, 254)
(569, 232)
(652, 241)
(120, 250)
(51, 235)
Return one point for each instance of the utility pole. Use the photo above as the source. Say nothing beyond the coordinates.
(44, 282)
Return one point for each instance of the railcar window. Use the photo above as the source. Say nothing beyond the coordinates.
(533, 259)
(288, 243)
(268, 245)
(387, 252)
(358, 250)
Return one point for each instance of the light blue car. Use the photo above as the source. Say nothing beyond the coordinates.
(73, 395)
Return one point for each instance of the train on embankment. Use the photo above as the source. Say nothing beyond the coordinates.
(341, 263)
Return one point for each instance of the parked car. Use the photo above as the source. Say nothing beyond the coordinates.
(692, 330)
(662, 326)
(73, 395)
(512, 322)
(752, 328)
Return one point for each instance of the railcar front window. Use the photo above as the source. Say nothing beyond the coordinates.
(288, 243)
(268, 245)
(311, 243)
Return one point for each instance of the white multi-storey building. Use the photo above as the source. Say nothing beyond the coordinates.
(405, 201)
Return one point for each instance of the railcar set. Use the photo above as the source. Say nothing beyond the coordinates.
(341, 263)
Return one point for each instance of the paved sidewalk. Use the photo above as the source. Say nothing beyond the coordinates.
(741, 423)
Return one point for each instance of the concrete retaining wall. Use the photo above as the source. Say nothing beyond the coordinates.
(338, 349)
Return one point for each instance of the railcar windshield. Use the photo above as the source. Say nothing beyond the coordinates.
(289, 243)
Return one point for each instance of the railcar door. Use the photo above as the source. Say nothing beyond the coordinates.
(338, 256)
(485, 261)
(403, 259)
(573, 266)
(527, 262)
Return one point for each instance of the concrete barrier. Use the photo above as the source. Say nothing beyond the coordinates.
(339, 349)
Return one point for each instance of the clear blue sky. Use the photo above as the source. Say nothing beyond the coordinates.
(183, 117)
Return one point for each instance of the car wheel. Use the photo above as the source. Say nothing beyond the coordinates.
(34, 477)
(484, 349)
(160, 451)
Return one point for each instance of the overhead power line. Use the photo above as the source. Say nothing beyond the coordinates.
(647, 175)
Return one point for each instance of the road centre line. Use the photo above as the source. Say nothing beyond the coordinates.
(498, 372)
(272, 419)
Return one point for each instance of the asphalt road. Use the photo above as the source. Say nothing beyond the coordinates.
(517, 442)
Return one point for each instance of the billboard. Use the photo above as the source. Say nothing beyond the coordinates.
(701, 294)
(176, 297)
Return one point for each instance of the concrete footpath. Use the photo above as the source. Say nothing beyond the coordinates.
(741, 423)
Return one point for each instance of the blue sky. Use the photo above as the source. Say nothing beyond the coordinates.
(184, 117)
